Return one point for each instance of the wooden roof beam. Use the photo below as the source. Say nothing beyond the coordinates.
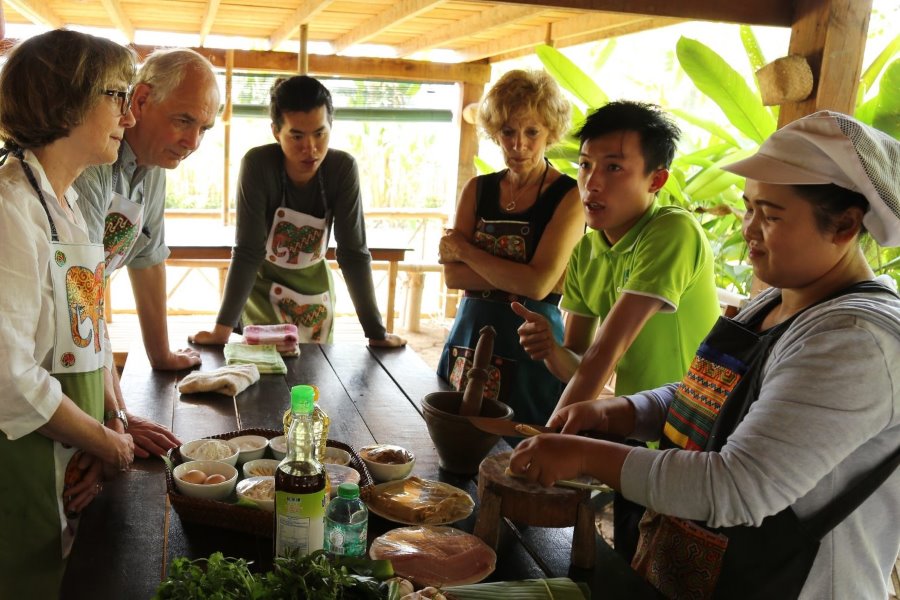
(598, 24)
(307, 10)
(490, 18)
(398, 13)
(779, 13)
(212, 8)
(119, 19)
(346, 66)
(36, 11)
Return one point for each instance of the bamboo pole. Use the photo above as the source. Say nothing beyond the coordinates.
(303, 57)
(226, 120)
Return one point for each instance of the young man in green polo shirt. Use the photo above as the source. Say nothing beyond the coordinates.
(644, 272)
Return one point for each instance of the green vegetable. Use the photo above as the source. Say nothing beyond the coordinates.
(300, 577)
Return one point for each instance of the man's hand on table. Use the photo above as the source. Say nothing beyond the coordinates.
(185, 358)
(150, 438)
(390, 341)
(219, 335)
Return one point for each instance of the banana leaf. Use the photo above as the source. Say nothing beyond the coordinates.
(725, 86)
(710, 126)
(886, 115)
(561, 588)
(570, 77)
(870, 76)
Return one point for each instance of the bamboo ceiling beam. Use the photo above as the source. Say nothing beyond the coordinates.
(119, 18)
(212, 9)
(347, 66)
(596, 24)
(307, 11)
(778, 13)
(490, 18)
(396, 14)
(37, 12)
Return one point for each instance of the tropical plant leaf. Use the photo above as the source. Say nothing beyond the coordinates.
(705, 156)
(482, 166)
(713, 172)
(886, 115)
(604, 54)
(754, 52)
(870, 76)
(711, 126)
(724, 86)
(673, 187)
(571, 77)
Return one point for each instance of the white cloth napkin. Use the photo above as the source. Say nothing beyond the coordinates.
(230, 380)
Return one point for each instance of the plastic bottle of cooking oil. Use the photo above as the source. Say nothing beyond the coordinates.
(300, 494)
(321, 423)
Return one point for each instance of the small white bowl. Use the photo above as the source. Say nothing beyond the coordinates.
(265, 503)
(207, 491)
(250, 447)
(338, 474)
(278, 445)
(336, 456)
(260, 466)
(189, 451)
(385, 471)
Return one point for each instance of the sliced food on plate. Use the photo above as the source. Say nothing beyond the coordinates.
(435, 556)
(416, 501)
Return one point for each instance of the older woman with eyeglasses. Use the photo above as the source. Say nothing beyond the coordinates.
(63, 106)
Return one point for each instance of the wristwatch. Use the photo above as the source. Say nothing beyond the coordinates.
(116, 414)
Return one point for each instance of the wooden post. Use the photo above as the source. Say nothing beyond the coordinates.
(226, 121)
(303, 57)
(468, 137)
(831, 35)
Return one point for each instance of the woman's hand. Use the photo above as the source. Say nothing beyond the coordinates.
(547, 458)
(610, 415)
(535, 334)
(84, 477)
(119, 450)
(219, 335)
(451, 246)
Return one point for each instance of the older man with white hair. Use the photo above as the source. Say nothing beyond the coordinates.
(174, 100)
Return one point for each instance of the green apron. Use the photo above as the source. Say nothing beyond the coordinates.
(294, 284)
(37, 535)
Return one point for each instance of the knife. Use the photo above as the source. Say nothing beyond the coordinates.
(508, 428)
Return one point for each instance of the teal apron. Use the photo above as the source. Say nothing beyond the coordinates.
(37, 535)
(294, 283)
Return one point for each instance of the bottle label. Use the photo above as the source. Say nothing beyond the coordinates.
(299, 522)
(345, 539)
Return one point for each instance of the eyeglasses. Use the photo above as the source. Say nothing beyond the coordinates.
(124, 98)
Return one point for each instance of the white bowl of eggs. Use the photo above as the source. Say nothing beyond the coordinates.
(206, 479)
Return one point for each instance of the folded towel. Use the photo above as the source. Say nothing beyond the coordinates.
(265, 357)
(230, 381)
(283, 333)
(288, 349)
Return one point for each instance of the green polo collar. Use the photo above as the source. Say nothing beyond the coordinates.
(601, 246)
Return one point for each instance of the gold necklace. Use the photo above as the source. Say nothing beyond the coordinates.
(511, 205)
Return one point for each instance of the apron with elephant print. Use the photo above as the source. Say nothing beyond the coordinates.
(294, 282)
(37, 533)
(121, 227)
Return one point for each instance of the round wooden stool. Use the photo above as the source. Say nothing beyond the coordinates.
(531, 504)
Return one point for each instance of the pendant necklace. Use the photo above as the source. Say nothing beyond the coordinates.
(511, 205)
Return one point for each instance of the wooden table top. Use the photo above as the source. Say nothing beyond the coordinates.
(130, 534)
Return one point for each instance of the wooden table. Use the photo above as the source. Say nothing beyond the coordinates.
(130, 534)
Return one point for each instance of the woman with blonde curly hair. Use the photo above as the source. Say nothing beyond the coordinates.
(511, 238)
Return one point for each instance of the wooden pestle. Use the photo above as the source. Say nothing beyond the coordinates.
(478, 375)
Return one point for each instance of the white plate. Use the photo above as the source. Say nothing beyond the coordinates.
(435, 492)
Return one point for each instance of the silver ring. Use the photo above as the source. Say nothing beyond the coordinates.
(98, 488)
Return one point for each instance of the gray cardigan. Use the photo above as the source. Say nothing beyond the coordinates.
(828, 411)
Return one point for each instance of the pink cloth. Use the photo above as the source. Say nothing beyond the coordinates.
(279, 335)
